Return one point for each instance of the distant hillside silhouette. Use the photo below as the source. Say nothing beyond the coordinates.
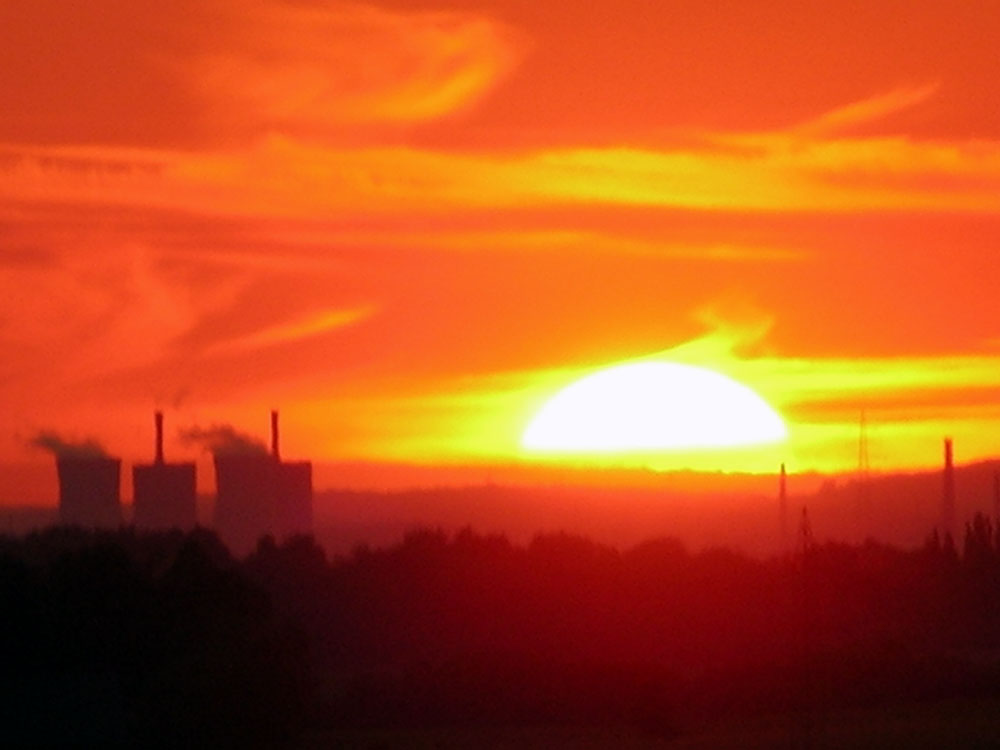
(900, 509)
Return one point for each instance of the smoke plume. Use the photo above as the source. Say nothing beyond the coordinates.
(62, 448)
(223, 440)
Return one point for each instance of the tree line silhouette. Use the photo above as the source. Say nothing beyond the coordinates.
(166, 639)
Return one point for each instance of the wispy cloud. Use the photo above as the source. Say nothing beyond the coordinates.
(305, 67)
(315, 324)
(867, 110)
(213, 71)
(284, 177)
(101, 306)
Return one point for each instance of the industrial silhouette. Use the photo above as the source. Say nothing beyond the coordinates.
(948, 493)
(164, 495)
(258, 494)
(864, 507)
(245, 500)
(89, 485)
(294, 512)
(89, 490)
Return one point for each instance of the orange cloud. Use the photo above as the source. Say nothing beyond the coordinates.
(309, 67)
(313, 325)
(867, 110)
(195, 73)
(910, 401)
(793, 170)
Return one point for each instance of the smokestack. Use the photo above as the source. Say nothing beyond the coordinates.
(948, 495)
(158, 419)
(274, 434)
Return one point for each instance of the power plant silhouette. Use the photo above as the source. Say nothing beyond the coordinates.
(89, 490)
(256, 492)
(164, 495)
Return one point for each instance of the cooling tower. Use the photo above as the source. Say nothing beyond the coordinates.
(245, 499)
(164, 494)
(293, 491)
(294, 499)
(89, 491)
(260, 494)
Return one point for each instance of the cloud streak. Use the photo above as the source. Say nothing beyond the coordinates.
(316, 324)
(868, 110)
(306, 67)
(797, 170)
(203, 72)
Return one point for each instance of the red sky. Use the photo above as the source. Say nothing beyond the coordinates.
(407, 224)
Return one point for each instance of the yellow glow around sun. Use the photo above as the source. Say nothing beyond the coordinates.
(648, 406)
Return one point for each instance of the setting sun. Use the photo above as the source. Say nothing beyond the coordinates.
(645, 406)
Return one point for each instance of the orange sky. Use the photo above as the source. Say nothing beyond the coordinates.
(407, 224)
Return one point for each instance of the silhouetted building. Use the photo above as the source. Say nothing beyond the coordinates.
(89, 491)
(245, 498)
(293, 492)
(294, 498)
(259, 494)
(164, 495)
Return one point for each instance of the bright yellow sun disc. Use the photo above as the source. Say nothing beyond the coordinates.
(646, 406)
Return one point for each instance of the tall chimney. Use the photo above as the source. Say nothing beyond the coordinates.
(158, 418)
(948, 496)
(274, 434)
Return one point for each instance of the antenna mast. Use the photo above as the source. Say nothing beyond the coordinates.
(948, 493)
(996, 501)
(783, 509)
(864, 468)
(806, 540)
